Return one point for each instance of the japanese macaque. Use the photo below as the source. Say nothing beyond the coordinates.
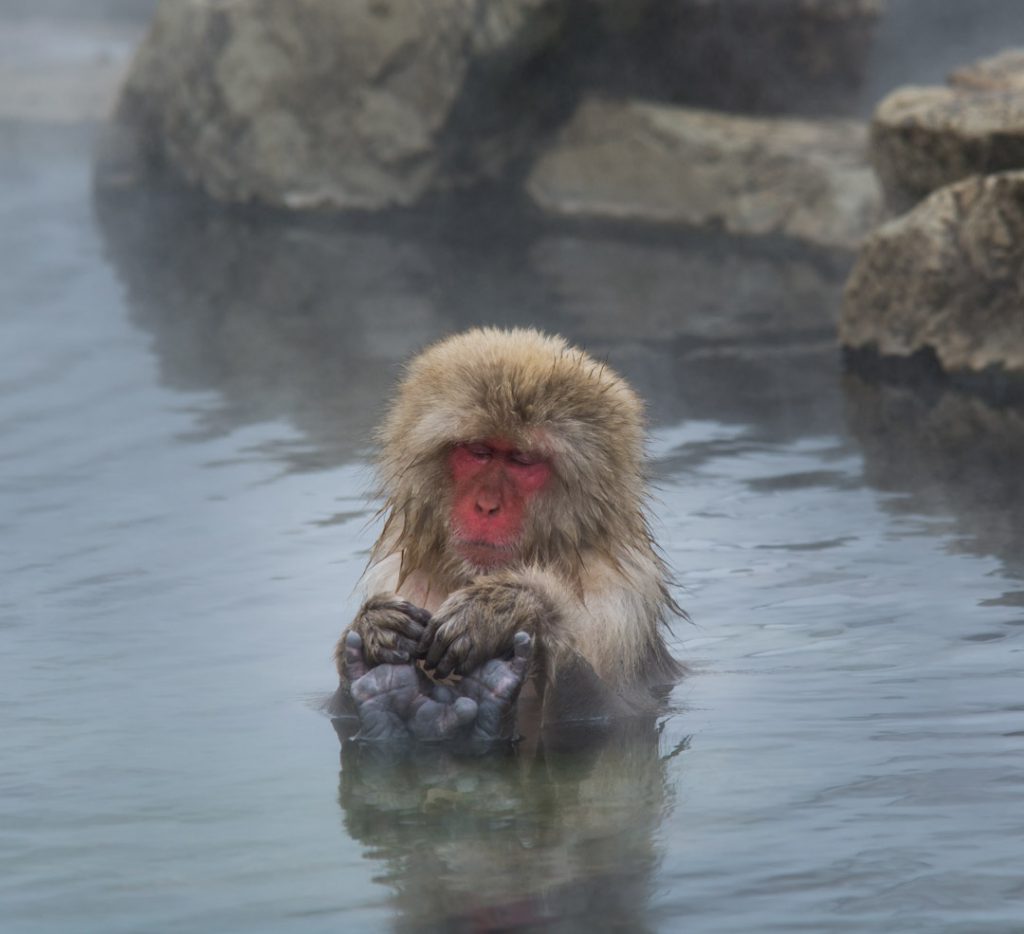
(512, 466)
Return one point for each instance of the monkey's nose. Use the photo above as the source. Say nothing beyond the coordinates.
(488, 507)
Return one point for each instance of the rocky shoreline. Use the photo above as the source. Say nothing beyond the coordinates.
(583, 113)
(946, 278)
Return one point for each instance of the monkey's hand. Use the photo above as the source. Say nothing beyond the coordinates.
(495, 688)
(395, 701)
(477, 623)
(390, 630)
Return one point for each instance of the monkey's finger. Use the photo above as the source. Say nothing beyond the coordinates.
(435, 722)
(428, 638)
(403, 644)
(522, 652)
(441, 635)
(436, 647)
(453, 658)
(406, 630)
(457, 715)
(463, 711)
(384, 646)
(444, 694)
(416, 613)
(355, 664)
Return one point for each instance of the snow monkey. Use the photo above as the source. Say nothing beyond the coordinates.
(513, 470)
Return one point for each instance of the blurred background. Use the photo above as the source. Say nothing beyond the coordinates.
(225, 226)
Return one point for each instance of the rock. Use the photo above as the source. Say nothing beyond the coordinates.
(808, 180)
(750, 56)
(925, 137)
(361, 104)
(946, 278)
(1002, 72)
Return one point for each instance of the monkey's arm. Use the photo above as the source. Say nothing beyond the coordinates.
(602, 653)
(478, 622)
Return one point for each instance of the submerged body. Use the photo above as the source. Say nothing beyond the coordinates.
(512, 466)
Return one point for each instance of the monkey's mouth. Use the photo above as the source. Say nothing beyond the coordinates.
(485, 554)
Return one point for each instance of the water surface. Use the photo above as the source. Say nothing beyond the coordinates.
(185, 400)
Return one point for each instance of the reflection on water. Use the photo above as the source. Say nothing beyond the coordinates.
(557, 840)
(186, 399)
(309, 320)
(947, 450)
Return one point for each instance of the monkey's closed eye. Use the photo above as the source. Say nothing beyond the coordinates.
(524, 459)
(480, 451)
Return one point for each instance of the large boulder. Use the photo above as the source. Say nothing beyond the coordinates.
(946, 279)
(808, 180)
(361, 104)
(925, 137)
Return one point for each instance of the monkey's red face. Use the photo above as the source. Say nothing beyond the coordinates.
(494, 486)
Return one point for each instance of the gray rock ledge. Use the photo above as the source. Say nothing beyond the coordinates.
(632, 160)
(925, 137)
(948, 277)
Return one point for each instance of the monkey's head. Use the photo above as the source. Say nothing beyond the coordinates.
(510, 447)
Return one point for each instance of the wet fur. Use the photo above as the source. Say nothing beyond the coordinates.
(596, 589)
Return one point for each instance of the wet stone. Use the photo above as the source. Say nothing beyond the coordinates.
(946, 279)
(804, 179)
(340, 105)
(925, 137)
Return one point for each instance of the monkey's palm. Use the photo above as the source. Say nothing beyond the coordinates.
(495, 689)
(394, 701)
(478, 623)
